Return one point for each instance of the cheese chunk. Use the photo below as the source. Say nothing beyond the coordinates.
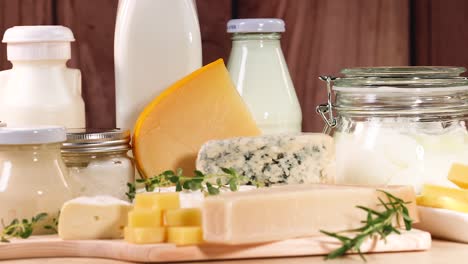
(183, 217)
(289, 211)
(272, 159)
(145, 218)
(202, 106)
(157, 200)
(100, 217)
(441, 191)
(145, 235)
(443, 202)
(183, 236)
(459, 175)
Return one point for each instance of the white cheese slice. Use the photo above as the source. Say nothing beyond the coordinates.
(290, 211)
(100, 217)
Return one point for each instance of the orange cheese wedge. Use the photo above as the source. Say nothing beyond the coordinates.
(202, 106)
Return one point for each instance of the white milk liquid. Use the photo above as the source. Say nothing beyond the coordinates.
(157, 42)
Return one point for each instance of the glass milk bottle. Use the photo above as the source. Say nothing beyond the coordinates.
(40, 89)
(259, 71)
(156, 43)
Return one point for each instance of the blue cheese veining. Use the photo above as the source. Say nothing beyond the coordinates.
(273, 159)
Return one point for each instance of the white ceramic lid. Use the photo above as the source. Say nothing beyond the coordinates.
(31, 34)
(32, 135)
(255, 25)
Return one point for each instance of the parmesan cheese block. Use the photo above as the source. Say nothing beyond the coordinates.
(100, 217)
(273, 159)
(290, 211)
(202, 106)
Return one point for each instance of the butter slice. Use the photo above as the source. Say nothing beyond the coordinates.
(458, 174)
(291, 211)
(100, 217)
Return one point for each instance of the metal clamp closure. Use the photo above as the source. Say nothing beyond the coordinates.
(323, 109)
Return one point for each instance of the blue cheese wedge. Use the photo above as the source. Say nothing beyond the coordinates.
(99, 217)
(273, 159)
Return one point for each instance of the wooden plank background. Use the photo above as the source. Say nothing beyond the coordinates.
(322, 37)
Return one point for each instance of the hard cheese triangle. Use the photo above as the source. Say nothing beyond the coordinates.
(202, 106)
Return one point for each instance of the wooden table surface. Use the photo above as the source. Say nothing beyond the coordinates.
(442, 252)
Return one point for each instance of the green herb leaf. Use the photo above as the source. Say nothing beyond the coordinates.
(228, 180)
(20, 229)
(381, 225)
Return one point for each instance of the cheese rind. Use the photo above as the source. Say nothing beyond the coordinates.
(202, 106)
(273, 159)
(184, 236)
(101, 217)
(290, 211)
(145, 235)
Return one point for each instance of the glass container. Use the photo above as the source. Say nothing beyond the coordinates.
(260, 74)
(397, 125)
(33, 177)
(98, 161)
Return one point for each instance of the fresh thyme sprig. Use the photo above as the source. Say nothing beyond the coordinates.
(377, 224)
(22, 229)
(211, 184)
(54, 225)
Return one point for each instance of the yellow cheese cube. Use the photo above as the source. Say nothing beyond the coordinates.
(145, 218)
(144, 235)
(183, 236)
(443, 202)
(459, 175)
(183, 217)
(161, 201)
(441, 191)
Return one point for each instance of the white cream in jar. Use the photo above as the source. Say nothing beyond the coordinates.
(98, 163)
(33, 177)
(398, 125)
(397, 152)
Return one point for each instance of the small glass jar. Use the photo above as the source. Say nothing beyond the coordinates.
(260, 74)
(404, 125)
(98, 162)
(33, 177)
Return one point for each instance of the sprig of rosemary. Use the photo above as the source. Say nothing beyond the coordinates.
(377, 224)
(22, 229)
(211, 184)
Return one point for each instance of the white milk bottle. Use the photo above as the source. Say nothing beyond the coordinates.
(157, 42)
(40, 89)
(259, 71)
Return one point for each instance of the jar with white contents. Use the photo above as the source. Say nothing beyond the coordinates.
(33, 177)
(398, 125)
(97, 161)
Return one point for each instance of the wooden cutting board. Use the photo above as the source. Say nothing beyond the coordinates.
(52, 246)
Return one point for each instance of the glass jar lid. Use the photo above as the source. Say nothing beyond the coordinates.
(428, 93)
(96, 141)
(402, 77)
(32, 135)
